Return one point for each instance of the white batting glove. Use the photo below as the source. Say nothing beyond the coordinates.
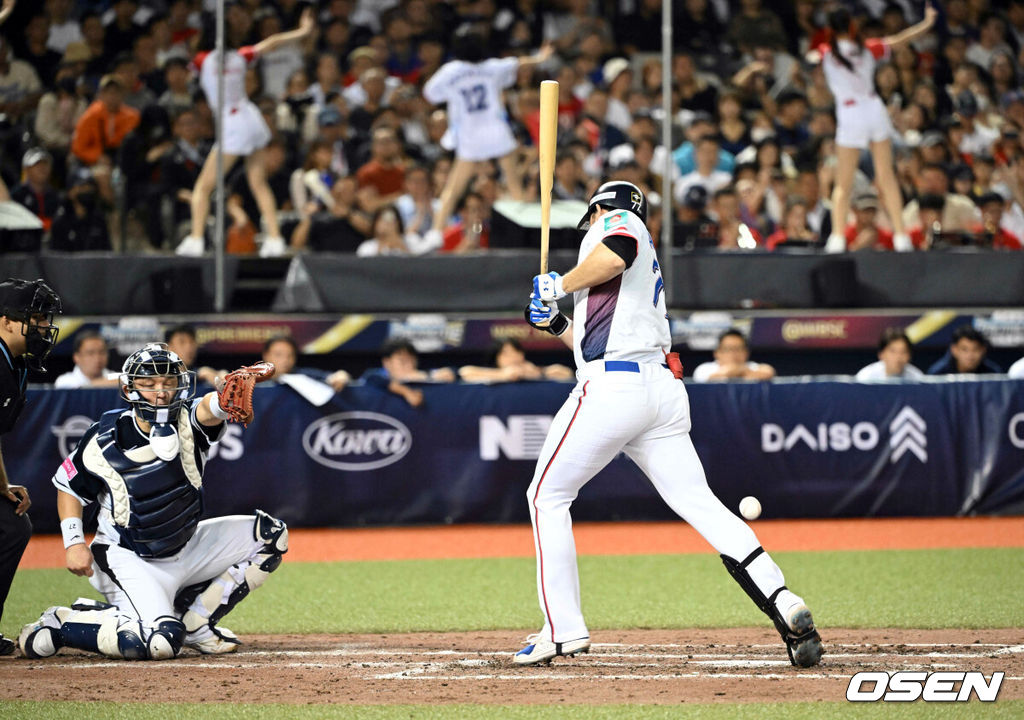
(548, 287)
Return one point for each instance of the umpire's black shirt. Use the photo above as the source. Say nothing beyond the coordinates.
(13, 380)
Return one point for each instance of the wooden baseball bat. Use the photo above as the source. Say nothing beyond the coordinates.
(548, 136)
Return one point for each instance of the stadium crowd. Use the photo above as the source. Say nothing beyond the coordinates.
(104, 130)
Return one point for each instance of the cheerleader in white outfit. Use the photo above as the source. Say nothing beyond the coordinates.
(245, 134)
(861, 119)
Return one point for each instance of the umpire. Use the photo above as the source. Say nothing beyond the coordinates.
(27, 334)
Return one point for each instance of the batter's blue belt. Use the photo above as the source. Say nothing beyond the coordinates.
(623, 366)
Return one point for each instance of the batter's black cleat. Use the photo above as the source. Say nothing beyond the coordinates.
(803, 641)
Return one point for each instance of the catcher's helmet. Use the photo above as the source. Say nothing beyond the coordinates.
(155, 360)
(23, 300)
(616, 195)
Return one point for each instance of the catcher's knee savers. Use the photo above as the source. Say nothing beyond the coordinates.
(207, 602)
(738, 569)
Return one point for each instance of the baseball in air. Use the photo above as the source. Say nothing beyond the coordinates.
(750, 507)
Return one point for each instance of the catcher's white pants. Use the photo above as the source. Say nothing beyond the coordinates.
(647, 415)
(145, 588)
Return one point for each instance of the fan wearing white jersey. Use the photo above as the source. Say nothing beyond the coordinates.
(861, 119)
(629, 398)
(478, 129)
(245, 134)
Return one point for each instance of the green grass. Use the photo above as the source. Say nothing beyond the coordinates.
(753, 711)
(972, 588)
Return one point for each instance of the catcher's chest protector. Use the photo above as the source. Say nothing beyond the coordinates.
(156, 504)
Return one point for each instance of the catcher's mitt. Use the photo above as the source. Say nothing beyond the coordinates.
(234, 391)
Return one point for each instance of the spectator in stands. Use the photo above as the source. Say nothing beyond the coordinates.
(101, 130)
(894, 354)
(991, 233)
(140, 160)
(700, 126)
(978, 137)
(966, 354)
(417, 205)
(959, 214)
(178, 96)
(705, 173)
(991, 40)
(732, 361)
(182, 340)
(35, 192)
(473, 230)
(90, 356)
(733, 234)
(80, 224)
(865, 233)
(179, 168)
(20, 88)
(94, 35)
(283, 352)
(33, 50)
(794, 231)
(399, 366)
(791, 120)
(121, 30)
(342, 228)
(568, 182)
(694, 228)
(390, 237)
(930, 209)
(64, 28)
(385, 172)
(734, 130)
(754, 26)
(59, 110)
(310, 185)
(508, 363)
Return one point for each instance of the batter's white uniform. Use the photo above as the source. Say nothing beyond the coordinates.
(245, 130)
(625, 400)
(861, 117)
(145, 588)
(476, 115)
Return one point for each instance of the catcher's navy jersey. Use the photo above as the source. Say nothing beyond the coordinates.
(148, 505)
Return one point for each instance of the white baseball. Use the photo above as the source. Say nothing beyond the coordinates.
(750, 507)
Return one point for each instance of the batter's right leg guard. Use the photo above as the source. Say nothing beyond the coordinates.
(204, 604)
(798, 632)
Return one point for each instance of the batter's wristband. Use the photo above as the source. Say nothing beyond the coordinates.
(559, 324)
(216, 410)
(71, 529)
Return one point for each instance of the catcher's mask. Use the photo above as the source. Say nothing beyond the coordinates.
(27, 301)
(155, 360)
(616, 195)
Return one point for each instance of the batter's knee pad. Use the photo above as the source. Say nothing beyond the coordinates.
(165, 638)
(766, 603)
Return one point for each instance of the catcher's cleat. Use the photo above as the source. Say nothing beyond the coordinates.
(6, 646)
(539, 650)
(215, 640)
(42, 638)
(803, 641)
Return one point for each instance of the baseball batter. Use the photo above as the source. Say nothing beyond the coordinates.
(245, 134)
(629, 397)
(168, 578)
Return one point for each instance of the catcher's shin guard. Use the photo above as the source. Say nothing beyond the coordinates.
(206, 603)
(803, 644)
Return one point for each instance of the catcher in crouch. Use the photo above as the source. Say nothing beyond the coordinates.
(168, 578)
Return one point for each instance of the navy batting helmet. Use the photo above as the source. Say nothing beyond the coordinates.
(152, 361)
(616, 195)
